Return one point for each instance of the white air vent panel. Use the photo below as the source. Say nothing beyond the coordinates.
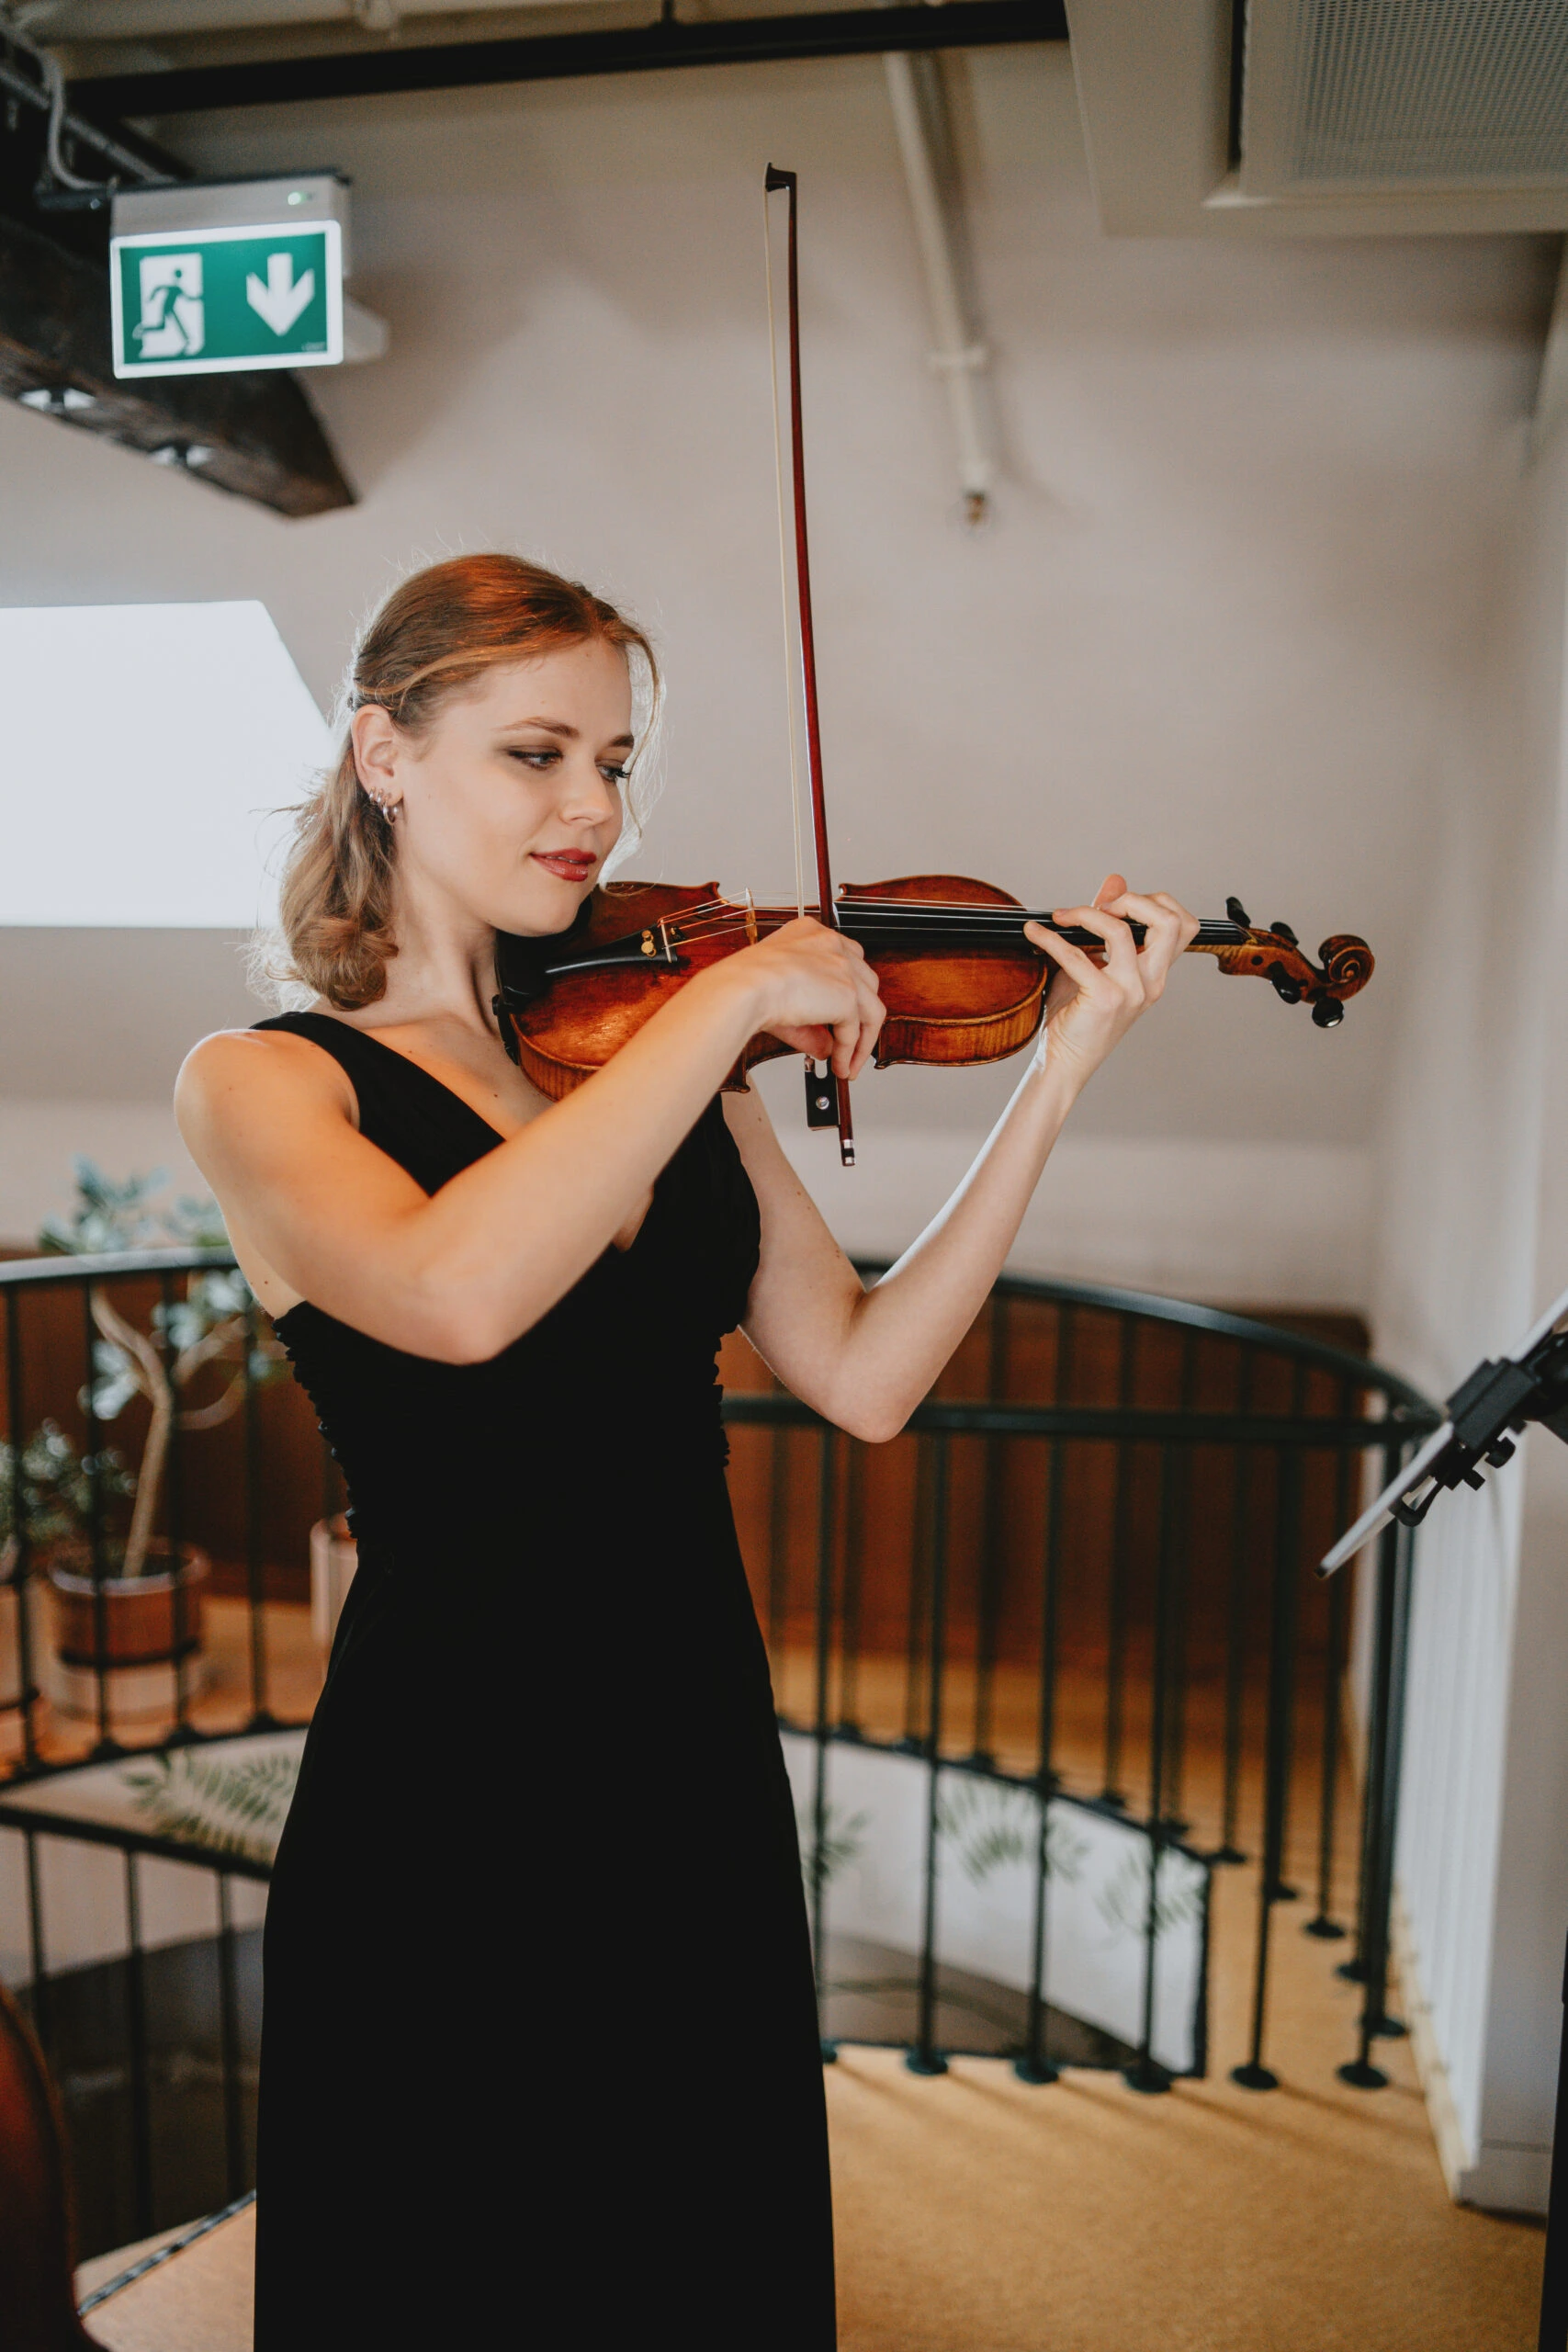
(1352, 96)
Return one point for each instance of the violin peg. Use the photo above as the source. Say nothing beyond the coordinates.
(1328, 1013)
(1239, 914)
(1283, 931)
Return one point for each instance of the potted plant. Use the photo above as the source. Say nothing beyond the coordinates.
(46, 1493)
(135, 1621)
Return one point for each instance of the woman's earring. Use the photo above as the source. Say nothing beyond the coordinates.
(388, 808)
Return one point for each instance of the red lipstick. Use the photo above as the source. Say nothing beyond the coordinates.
(569, 865)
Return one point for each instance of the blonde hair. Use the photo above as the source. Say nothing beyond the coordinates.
(440, 630)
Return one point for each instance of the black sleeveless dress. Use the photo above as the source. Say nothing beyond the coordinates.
(540, 2052)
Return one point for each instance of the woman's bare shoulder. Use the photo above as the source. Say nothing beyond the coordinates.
(236, 1075)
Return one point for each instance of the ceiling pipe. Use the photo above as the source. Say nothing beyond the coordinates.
(46, 96)
(958, 352)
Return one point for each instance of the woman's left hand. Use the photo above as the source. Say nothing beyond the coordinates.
(1093, 999)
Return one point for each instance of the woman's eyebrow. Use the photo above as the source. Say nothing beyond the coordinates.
(565, 732)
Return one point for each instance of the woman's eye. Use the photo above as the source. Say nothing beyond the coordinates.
(539, 756)
(613, 775)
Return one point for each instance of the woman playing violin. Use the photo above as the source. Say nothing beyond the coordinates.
(540, 1882)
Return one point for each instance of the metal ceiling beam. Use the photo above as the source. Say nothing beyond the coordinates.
(455, 65)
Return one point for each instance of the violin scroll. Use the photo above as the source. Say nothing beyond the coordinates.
(1272, 952)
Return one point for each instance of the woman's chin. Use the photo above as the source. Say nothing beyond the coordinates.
(549, 904)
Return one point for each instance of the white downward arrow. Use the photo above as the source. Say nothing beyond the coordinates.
(281, 300)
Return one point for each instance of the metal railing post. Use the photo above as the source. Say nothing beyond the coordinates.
(1395, 1554)
(1121, 1535)
(925, 2058)
(107, 1746)
(1181, 1522)
(1036, 2064)
(228, 2042)
(42, 2004)
(1354, 1970)
(262, 1717)
(141, 2075)
(1254, 2076)
(174, 1490)
(22, 1573)
(1323, 1924)
(1228, 1849)
(917, 1630)
(988, 1612)
(1146, 2072)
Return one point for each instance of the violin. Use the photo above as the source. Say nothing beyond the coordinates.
(961, 983)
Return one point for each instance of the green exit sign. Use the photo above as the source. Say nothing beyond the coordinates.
(210, 301)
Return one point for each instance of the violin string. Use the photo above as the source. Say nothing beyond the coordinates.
(719, 918)
(784, 562)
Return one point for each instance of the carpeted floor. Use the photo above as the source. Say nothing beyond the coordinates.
(976, 2214)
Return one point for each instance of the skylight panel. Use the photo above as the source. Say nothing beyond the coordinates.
(145, 751)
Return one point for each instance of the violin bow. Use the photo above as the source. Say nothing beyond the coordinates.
(826, 1097)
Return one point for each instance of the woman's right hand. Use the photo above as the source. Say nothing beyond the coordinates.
(812, 989)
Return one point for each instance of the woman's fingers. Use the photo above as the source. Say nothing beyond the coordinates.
(1120, 964)
(852, 1012)
(1097, 993)
(1062, 952)
(1083, 966)
(1168, 929)
(870, 1030)
(871, 1015)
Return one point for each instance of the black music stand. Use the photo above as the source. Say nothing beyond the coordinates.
(1486, 1413)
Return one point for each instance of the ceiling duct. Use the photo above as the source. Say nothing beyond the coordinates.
(1335, 118)
(1429, 95)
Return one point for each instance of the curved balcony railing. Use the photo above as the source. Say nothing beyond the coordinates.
(1043, 1665)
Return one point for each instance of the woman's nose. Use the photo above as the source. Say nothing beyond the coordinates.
(587, 799)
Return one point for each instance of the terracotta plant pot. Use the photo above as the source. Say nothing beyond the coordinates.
(149, 1620)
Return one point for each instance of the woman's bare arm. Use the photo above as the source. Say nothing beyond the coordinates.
(269, 1119)
(865, 1359)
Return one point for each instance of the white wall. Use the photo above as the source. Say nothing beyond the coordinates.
(1463, 1259)
(1247, 529)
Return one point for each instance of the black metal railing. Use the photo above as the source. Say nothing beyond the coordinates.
(1072, 1603)
(1222, 1453)
(153, 2047)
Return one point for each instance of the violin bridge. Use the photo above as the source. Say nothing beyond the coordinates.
(750, 920)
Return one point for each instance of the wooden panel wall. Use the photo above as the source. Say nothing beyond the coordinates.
(1226, 1499)
(773, 1480)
